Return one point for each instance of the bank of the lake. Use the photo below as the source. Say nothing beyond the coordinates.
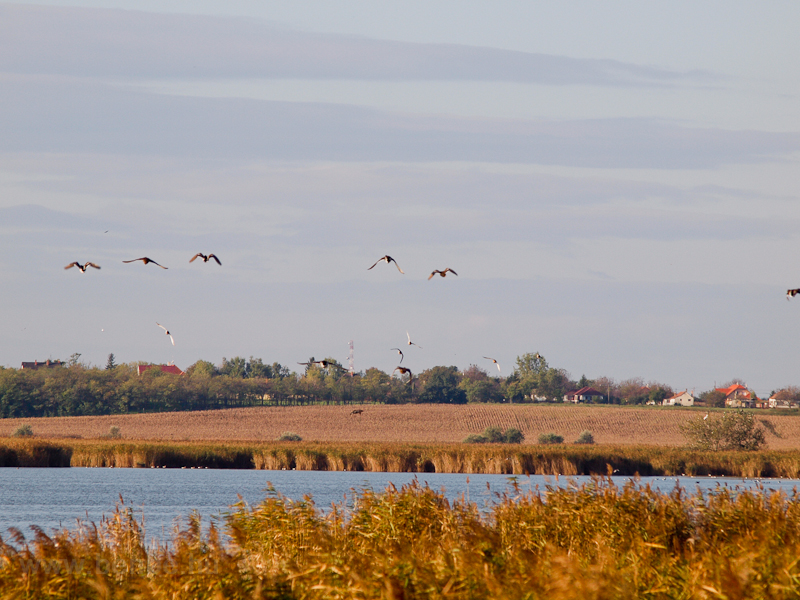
(510, 459)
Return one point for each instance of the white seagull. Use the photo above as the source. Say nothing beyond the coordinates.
(166, 331)
(82, 267)
(494, 361)
(410, 343)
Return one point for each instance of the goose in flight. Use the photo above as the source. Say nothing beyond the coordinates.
(405, 371)
(388, 259)
(494, 361)
(442, 273)
(205, 258)
(166, 331)
(792, 293)
(323, 363)
(82, 267)
(400, 352)
(145, 260)
(410, 343)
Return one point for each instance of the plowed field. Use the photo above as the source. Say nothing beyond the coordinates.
(406, 423)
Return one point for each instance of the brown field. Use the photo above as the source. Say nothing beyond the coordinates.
(404, 423)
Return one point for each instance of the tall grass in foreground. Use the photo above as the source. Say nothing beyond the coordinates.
(596, 541)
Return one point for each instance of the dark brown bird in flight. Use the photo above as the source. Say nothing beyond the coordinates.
(145, 260)
(792, 293)
(322, 363)
(494, 361)
(387, 259)
(400, 352)
(442, 273)
(404, 371)
(205, 258)
(82, 267)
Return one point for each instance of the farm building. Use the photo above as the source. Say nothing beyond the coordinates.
(164, 369)
(585, 394)
(683, 398)
(48, 364)
(737, 396)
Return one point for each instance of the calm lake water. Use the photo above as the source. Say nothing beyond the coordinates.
(58, 498)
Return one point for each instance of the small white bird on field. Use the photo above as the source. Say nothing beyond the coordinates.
(410, 343)
(166, 331)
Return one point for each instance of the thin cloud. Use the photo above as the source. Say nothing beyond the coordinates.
(41, 114)
(91, 42)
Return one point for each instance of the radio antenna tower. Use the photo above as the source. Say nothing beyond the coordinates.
(350, 359)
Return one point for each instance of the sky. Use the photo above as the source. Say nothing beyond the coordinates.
(616, 184)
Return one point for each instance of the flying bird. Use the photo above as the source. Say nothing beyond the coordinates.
(404, 371)
(494, 361)
(166, 331)
(400, 352)
(145, 260)
(410, 343)
(322, 363)
(442, 273)
(792, 293)
(82, 267)
(387, 259)
(205, 258)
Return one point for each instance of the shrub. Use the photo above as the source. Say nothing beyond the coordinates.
(736, 430)
(23, 431)
(513, 436)
(288, 436)
(494, 435)
(585, 437)
(551, 438)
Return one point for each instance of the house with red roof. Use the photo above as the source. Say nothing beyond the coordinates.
(48, 364)
(163, 368)
(738, 396)
(585, 394)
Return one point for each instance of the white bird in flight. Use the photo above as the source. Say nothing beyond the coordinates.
(400, 352)
(410, 343)
(494, 361)
(387, 259)
(81, 267)
(166, 331)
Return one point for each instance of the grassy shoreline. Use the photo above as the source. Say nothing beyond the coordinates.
(400, 457)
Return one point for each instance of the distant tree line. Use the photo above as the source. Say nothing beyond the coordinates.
(78, 389)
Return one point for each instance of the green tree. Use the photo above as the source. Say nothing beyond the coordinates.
(479, 387)
(713, 398)
(110, 364)
(235, 367)
(257, 368)
(440, 386)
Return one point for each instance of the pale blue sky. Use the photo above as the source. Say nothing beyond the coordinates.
(615, 183)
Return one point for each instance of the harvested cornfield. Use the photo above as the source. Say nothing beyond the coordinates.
(401, 423)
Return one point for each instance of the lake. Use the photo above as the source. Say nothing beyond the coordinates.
(58, 498)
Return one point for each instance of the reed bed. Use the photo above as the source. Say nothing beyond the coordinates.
(508, 459)
(595, 541)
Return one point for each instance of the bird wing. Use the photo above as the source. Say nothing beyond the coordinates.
(155, 263)
(432, 274)
(377, 261)
(69, 266)
(195, 256)
(134, 260)
(451, 270)
(162, 327)
(214, 256)
(172, 339)
(490, 358)
(91, 264)
(396, 265)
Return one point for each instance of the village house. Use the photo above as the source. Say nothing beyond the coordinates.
(164, 369)
(683, 398)
(48, 364)
(738, 396)
(781, 400)
(585, 394)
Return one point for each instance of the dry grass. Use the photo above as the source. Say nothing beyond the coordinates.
(403, 423)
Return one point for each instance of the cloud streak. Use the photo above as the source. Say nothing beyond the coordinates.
(57, 115)
(115, 43)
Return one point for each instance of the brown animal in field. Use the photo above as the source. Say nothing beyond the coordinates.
(357, 411)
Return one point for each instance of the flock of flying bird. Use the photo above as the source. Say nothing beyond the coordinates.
(325, 364)
(146, 260)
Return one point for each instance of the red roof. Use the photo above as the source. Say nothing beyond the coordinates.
(729, 390)
(586, 391)
(164, 369)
